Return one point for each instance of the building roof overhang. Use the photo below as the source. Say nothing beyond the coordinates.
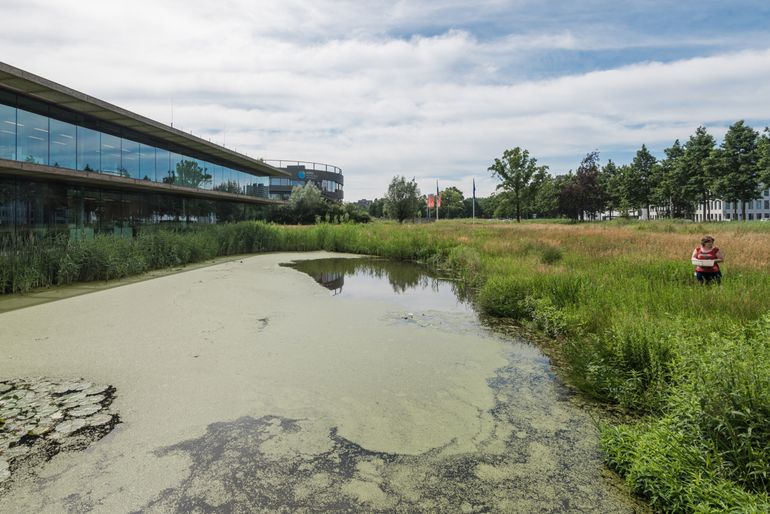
(29, 84)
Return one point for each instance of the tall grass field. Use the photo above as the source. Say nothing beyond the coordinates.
(618, 301)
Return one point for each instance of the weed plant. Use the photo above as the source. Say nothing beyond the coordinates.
(618, 298)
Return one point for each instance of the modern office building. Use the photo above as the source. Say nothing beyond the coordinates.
(72, 163)
(326, 177)
(720, 210)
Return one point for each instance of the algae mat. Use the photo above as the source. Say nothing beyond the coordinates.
(245, 387)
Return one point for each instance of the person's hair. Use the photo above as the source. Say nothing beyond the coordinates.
(706, 239)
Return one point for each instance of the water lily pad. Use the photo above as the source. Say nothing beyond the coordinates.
(47, 410)
(92, 400)
(9, 413)
(98, 420)
(72, 397)
(85, 410)
(63, 388)
(57, 415)
(81, 386)
(42, 429)
(96, 389)
(5, 387)
(69, 426)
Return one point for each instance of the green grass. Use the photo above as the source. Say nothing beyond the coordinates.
(619, 303)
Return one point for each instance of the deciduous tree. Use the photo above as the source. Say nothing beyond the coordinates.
(520, 176)
(402, 199)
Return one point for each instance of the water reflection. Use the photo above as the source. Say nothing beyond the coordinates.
(415, 286)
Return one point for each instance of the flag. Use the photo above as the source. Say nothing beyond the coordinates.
(438, 199)
(430, 201)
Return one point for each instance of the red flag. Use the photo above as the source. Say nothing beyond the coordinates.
(430, 201)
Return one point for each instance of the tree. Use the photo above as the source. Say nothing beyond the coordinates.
(639, 180)
(451, 203)
(546, 201)
(188, 173)
(519, 174)
(570, 196)
(402, 199)
(589, 185)
(611, 181)
(763, 150)
(736, 165)
(669, 184)
(306, 202)
(377, 207)
(695, 170)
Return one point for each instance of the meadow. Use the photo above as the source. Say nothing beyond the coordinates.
(617, 302)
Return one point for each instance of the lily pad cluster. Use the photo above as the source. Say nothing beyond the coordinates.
(41, 415)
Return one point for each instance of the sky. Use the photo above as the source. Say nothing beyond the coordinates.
(431, 90)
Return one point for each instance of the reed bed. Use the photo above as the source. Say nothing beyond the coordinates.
(618, 300)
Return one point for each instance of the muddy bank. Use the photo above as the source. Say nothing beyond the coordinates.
(244, 387)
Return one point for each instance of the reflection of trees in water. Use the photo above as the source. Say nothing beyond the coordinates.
(401, 276)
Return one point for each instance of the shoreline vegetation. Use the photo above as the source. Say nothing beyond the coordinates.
(617, 299)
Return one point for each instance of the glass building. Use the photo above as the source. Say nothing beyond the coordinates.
(327, 178)
(73, 163)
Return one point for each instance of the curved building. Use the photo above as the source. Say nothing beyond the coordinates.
(71, 162)
(326, 177)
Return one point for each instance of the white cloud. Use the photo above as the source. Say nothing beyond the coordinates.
(325, 81)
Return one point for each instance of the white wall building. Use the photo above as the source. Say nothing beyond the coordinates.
(720, 210)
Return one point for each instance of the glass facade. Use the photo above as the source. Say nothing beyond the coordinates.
(38, 209)
(34, 132)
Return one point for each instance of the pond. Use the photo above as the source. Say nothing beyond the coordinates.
(248, 386)
(539, 452)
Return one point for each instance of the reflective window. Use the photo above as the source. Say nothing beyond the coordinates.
(7, 132)
(88, 149)
(111, 155)
(27, 136)
(174, 160)
(147, 162)
(63, 150)
(32, 137)
(130, 158)
(162, 165)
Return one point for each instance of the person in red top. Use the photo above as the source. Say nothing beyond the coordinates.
(707, 251)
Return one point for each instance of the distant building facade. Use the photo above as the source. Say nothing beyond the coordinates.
(720, 210)
(326, 177)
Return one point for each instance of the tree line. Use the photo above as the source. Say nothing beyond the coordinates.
(679, 185)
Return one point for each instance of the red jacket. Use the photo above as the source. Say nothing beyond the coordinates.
(710, 255)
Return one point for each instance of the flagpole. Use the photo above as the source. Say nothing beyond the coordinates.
(474, 198)
(437, 199)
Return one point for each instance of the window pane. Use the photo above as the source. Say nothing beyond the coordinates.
(32, 138)
(111, 154)
(63, 151)
(174, 160)
(7, 132)
(88, 149)
(129, 158)
(147, 162)
(162, 165)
